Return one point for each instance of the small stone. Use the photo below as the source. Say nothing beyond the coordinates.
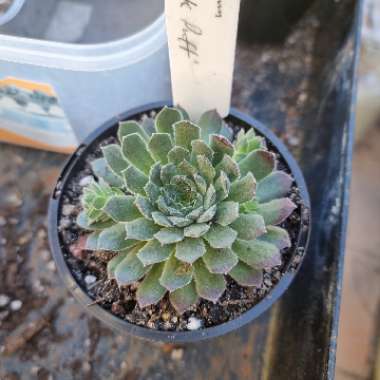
(90, 279)
(16, 305)
(194, 324)
(3, 221)
(293, 140)
(24, 239)
(86, 367)
(41, 234)
(165, 316)
(13, 200)
(64, 223)
(177, 354)
(4, 300)
(117, 309)
(68, 210)
(51, 266)
(45, 254)
(86, 180)
(175, 319)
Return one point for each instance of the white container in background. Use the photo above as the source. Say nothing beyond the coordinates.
(84, 65)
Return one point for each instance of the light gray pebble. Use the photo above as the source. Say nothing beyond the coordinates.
(86, 180)
(16, 305)
(4, 300)
(90, 279)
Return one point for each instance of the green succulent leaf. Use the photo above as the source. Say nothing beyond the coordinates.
(220, 260)
(178, 154)
(161, 219)
(275, 185)
(114, 262)
(141, 229)
(221, 146)
(160, 145)
(101, 169)
(176, 274)
(200, 148)
(210, 123)
(222, 186)
(169, 235)
(150, 291)
(114, 158)
(185, 132)
(277, 236)
(260, 162)
(229, 167)
(257, 254)
(86, 223)
(243, 190)
(207, 215)
(205, 168)
(121, 208)
(166, 118)
(128, 127)
(276, 211)
(153, 252)
(227, 213)
(196, 230)
(135, 180)
(130, 269)
(249, 226)
(220, 236)
(182, 299)
(144, 206)
(114, 239)
(189, 250)
(245, 275)
(92, 241)
(209, 286)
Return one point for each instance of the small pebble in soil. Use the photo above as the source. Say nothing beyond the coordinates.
(4, 300)
(45, 254)
(68, 209)
(90, 279)
(13, 200)
(51, 266)
(177, 354)
(194, 324)
(16, 305)
(86, 180)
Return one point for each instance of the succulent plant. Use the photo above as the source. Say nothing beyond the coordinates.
(183, 206)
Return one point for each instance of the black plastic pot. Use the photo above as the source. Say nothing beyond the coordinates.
(76, 163)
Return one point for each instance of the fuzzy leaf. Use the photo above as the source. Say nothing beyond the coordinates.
(190, 250)
(221, 146)
(205, 168)
(114, 262)
(92, 241)
(184, 297)
(178, 154)
(249, 226)
(275, 185)
(220, 260)
(229, 166)
(210, 197)
(209, 286)
(114, 158)
(179, 221)
(128, 127)
(176, 274)
(152, 191)
(196, 230)
(276, 211)
(161, 219)
(259, 162)
(84, 222)
(150, 291)
(101, 169)
(207, 215)
(153, 252)
(166, 118)
(210, 123)
(144, 206)
(222, 186)
(199, 147)
(186, 168)
(141, 229)
(185, 132)
(148, 125)
(277, 236)
(135, 180)
(243, 190)
(136, 152)
(168, 171)
(155, 174)
(121, 208)
(113, 239)
(159, 145)
(227, 213)
(130, 269)
(220, 237)
(169, 235)
(257, 254)
(245, 275)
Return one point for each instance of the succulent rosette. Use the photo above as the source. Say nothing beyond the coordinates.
(183, 207)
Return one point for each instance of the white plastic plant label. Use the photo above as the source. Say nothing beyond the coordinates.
(202, 43)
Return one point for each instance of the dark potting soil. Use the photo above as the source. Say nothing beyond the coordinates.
(89, 268)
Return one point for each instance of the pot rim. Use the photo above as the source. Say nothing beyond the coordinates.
(124, 326)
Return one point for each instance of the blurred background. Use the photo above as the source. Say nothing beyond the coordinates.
(61, 97)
